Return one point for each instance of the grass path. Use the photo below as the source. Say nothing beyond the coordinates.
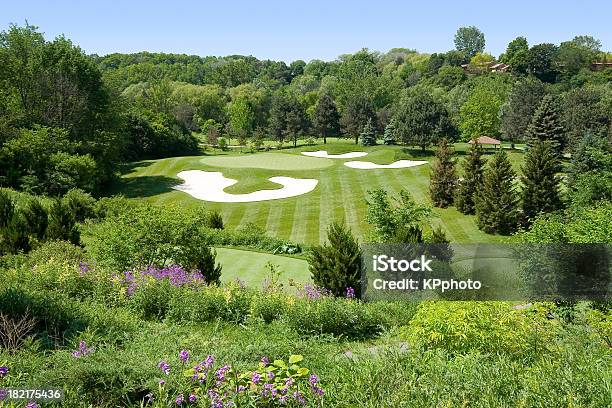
(339, 195)
(250, 267)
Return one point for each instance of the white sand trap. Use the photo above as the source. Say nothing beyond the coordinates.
(400, 164)
(209, 186)
(323, 154)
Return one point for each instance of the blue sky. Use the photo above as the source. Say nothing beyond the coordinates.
(289, 30)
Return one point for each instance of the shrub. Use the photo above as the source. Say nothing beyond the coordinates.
(492, 327)
(601, 323)
(62, 224)
(337, 266)
(222, 143)
(214, 220)
(231, 304)
(269, 306)
(80, 204)
(339, 317)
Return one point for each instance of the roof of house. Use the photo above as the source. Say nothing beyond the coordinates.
(485, 140)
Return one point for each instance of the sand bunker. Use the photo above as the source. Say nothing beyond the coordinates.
(400, 164)
(323, 154)
(209, 186)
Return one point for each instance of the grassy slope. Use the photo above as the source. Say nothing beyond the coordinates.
(340, 194)
(250, 266)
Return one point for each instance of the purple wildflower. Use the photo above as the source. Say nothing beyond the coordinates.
(179, 399)
(317, 390)
(210, 360)
(299, 398)
(350, 293)
(192, 398)
(270, 375)
(162, 382)
(164, 367)
(221, 373)
(256, 378)
(83, 268)
(83, 350)
(3, 394)
(265, 360)
(184, 355)
(32, 404)
(313, 379)
(3, 371)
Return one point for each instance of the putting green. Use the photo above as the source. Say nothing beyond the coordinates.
(250, 267)
(269, 161)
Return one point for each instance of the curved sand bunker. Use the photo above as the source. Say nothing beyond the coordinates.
(323, 154)
(209, 186)
(400, 164)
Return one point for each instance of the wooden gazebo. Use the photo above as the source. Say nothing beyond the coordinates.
(486, 140)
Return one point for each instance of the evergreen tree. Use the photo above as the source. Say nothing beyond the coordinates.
(36, 218)
(540, 182)
(546, 125)
(390, 135)
(496, 200)
(62, 225)
(368, 134)
(336, 266)
(472, 180)
(327, 118)
(7, 208)
(443, 179)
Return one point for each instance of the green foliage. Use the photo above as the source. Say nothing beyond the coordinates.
(488, 327)
(214, 220)
(145, 235)
(546, 125)
(368, 134)
(496, 200)
(443, 180)
(540, 181)
(336, 266)
(390, 135)
(420, 119)
(471, 182)
(395, 221)
(517, 111)
(62, 223)
(540, 60)
(469, 40)
(327, 118)
(209, 304)
(479, 115)
(338, 317)
(601, 322)
(358, 110)
(590, 172)
(80, 204)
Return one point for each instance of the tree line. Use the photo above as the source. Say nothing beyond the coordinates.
(68, 119)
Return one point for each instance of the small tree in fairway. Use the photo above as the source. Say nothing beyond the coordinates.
(472, 180)
(336, 265)
(541, 184)
(496, 201)
(443, 176)
(368, 134)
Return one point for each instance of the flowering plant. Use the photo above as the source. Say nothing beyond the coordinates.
(272, 384)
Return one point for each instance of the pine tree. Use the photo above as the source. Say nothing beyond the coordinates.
(390, 135)
(540, 182)
(327, 118)
(472, 180)
(368, 134)
(62, 225)
(336, 266)
(443, 179)
(7, 207)
(496, 200)
(546, 125)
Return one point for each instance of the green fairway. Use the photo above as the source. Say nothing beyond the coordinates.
(339, 195)
(250, 267)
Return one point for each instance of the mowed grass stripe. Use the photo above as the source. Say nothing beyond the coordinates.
(351, 191)
(288, 217)
(301, 224)
(327, 205)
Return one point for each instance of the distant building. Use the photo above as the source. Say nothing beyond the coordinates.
(601, 65)
(491, 66)
(485, 140)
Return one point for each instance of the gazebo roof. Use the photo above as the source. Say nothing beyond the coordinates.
(485, 140)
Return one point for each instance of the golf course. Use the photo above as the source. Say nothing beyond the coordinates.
(339, 194)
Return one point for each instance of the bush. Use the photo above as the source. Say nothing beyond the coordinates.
(62, 224)
(231, 304)
(80, 204)
(337, 266)
(491, 327)
(339, 317)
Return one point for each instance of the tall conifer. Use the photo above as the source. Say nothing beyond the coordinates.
(443, 180)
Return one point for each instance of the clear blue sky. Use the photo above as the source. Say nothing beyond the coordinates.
(308, 29)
